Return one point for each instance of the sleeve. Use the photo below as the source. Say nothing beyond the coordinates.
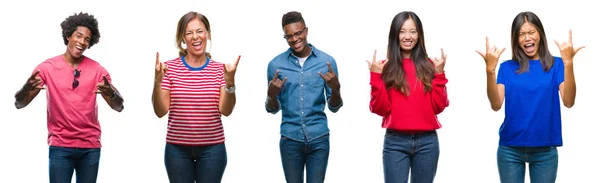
(220, 74)
(500, 78)
(328, 89)
(101, 73)
(42, 73)
(270, 74)
(380, 103)
(559, 70)
(439, 97)
(166, 81)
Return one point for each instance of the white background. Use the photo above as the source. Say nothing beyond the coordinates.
(132, 32)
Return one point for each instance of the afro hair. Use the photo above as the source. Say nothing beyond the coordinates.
(70, 24)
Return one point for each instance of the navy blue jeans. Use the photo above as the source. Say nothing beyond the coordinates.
(296, 155)
(543, 164)
(417, 153)
(64, 160)
(200, 164)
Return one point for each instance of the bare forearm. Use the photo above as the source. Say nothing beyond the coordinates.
(569, 87)
(24, 97)
(228, 103)
(492, 91)
(160, 107)
(116, 101)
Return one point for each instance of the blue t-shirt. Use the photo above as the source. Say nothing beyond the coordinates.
(532, 104)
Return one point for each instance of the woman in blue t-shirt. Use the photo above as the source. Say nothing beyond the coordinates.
(530, 82)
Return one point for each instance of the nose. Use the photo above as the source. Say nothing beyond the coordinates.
(195, 36)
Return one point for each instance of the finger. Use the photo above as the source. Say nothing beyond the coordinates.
(283, 82)
(330, 68)
(384, 61)
(164, 67)
(157, 60)
(34, 74)
(105, 80)
(97, 91)
(570, 37)
(276, 75)
(501, 51)
(493, 48)
(577, 50)
(237, 61)
(487, 43)
(443, 55)
(40, 87)
(557, 44)
(322, 76)
(482, 55)
(374, 55)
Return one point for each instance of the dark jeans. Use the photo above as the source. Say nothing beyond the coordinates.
(64, 160)
(200, 164)
(417, 153)
(296, 155)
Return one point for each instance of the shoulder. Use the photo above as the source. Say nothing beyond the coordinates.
(322, 55)
(509, 63)
(280, 58)
(213, 64)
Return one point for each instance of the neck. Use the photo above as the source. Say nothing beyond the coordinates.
(71, 61)
(305, 52)
(405, 54)
(195, 60)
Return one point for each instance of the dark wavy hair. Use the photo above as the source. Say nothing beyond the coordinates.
(70, 24)
(393, 73)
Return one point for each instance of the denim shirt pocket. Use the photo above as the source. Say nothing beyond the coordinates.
(316, 81)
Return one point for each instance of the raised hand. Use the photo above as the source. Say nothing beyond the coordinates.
(230, 71)
(330, 78)
(104, 87)
(491, 55)
(567, 52)
(159, 69)
(275, 85)
(33, 82)
(376, 66)
(439, 62)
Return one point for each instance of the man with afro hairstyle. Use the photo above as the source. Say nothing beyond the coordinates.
(302, 80)
(72, 82)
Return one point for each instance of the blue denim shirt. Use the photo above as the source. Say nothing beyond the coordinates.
(304, 95)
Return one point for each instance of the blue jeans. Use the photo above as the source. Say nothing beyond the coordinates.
(295, 155)
(200, 164)
(417, 153)
(64, 160)
(543, 164)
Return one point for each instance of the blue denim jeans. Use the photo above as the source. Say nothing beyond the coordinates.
(64, 160)
(296, 155)
(417, 153)
(543, 164)
(200, 164)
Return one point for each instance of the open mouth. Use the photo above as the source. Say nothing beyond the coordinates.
(529, 47)
(197, 45)
(407, 43)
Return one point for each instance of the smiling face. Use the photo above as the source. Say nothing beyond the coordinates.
(79, 41)
(295, 34)
(195, 37)
(529, 40)
(408, 35)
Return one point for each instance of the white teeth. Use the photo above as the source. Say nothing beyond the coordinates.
(527, 45)
(196, 44)
(79, 47)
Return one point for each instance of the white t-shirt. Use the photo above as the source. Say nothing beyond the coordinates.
(301, 60)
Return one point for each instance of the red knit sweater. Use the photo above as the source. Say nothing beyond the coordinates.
(413, 113)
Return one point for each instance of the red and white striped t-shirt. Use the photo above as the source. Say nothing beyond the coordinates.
(194, 116)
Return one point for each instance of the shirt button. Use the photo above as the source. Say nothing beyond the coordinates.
(301, 72)
(302, 112)
(303, 125)
(301, 85)
(301, 98)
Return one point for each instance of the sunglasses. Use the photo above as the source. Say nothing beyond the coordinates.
(76, 74)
